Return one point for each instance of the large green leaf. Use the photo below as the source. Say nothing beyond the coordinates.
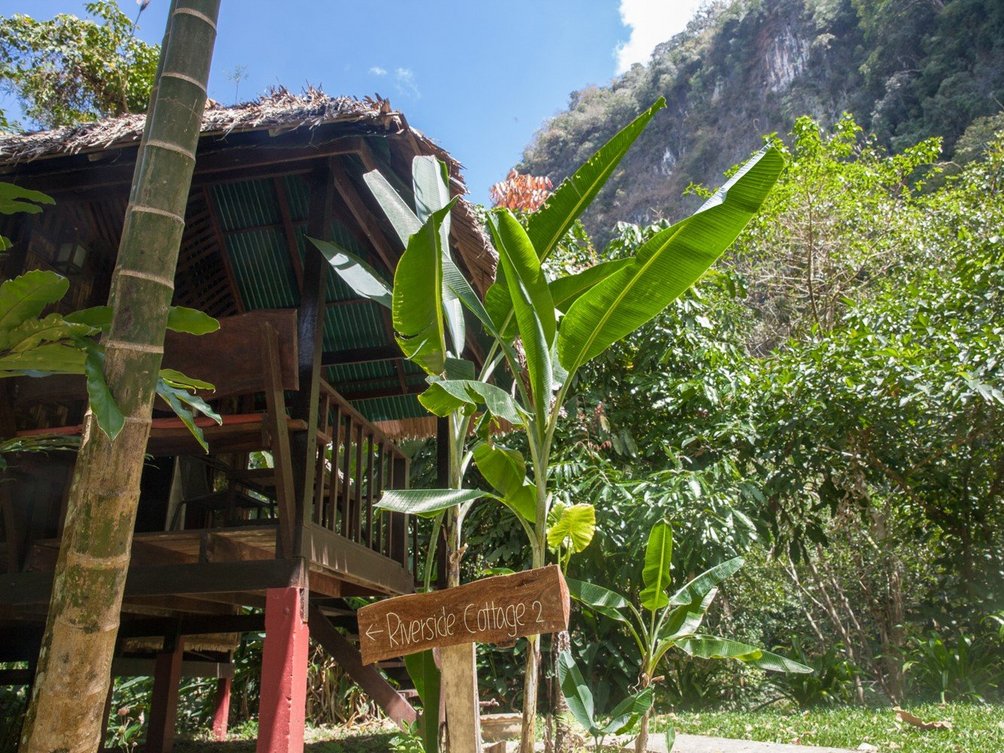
(498, 304)
(444, 396)
(686, 619)
(566, 290)
(577, 693)
(417, 302)
(695, 591)
(99, 317)
(532, 302)
(665, 266)
(549, 224)
(175, 378)
(574, 524)
(656, 574)
(599, 599)
(454, 280)
(505, 470)
(100, 399)
(47, 358)
(190, 321)
(426, 502)
(25, 297)
(626, 714)
(403, 220)
(185, 406)
(15, 199)
(361, 278)
(431, 181)
(33, 332)
(711, 647)
(426, 679)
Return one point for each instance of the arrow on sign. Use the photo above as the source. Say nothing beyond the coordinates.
(370, 632)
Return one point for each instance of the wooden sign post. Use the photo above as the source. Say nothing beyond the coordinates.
(492, 610)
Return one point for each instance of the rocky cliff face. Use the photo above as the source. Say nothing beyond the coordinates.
(906, 69)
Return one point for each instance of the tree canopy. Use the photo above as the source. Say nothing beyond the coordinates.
(67, 70)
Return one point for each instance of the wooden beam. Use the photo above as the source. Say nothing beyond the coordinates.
(221, 242)
(164, 698)
(193, 625)
(360, 355)
(83, 177)
(407, 389)
(368, 678)
(365, 219)
(135, 666)
(163, 580)
(288, 230)
(310, 336)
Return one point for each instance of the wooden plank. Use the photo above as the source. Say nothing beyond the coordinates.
(491, 610)
(192, 625)
(368, 678)
(134, 666)
(354, 562)
(233, 356)
(163, 580)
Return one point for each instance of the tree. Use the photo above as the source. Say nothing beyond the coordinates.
(67, 702)
(68, 69)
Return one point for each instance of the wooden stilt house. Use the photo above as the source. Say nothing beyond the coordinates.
(275, 526)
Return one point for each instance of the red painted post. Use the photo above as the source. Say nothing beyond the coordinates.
(164, 704)
(281, 715)
(221, 713)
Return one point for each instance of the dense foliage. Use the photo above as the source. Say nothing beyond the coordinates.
(851, 449)
(68, 69)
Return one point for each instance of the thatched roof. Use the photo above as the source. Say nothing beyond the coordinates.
(278, 111)
(247, 214)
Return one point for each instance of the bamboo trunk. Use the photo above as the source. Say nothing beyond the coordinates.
(73, 676)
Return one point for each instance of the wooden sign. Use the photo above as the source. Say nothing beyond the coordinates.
(492, 610)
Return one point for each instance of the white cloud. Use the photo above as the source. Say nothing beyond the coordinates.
(376, 70)
(404, 79)
(651, 22)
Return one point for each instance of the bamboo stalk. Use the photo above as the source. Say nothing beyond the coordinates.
(73, 676)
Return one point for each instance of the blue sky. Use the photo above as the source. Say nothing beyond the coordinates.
(479, 77)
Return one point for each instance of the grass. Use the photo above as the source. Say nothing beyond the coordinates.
(975, 728)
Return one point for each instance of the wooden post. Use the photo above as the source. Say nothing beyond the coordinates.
(310, 334)
(164, 704)
(282, 713)
(460, 689)
(221, 710)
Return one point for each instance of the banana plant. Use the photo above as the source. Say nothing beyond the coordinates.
(660, 622)
(623, 719)
(543, 330)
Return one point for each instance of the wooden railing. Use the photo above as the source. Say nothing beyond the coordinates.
(356, 462)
